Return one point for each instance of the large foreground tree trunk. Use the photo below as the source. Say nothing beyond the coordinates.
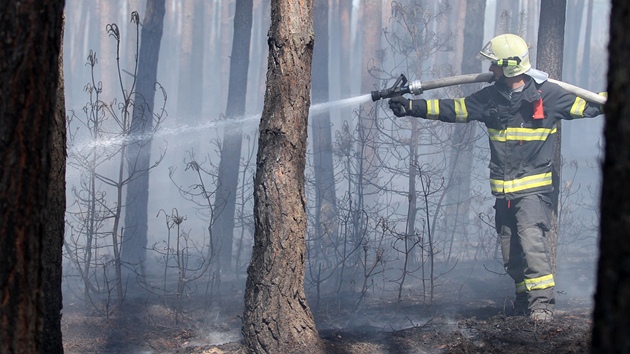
(277, 318)
(29, 70)
(611, 324)
(52, 247)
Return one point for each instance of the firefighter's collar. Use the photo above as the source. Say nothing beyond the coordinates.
(537, 75)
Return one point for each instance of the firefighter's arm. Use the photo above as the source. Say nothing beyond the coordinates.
(456, 110)
(575, 107)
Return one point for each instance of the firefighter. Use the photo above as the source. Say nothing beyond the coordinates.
(520, 111)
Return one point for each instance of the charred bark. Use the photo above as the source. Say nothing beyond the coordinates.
(611, 323)
(277, 318)
(29, 71)
(52, 253)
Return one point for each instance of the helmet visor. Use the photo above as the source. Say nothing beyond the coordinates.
(487, 53)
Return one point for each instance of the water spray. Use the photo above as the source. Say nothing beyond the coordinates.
(183, 128)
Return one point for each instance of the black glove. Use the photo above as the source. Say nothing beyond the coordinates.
(400, 106)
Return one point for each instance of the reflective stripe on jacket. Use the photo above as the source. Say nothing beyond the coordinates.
(521, 147)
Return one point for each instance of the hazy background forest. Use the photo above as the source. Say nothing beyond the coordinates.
(396, 207)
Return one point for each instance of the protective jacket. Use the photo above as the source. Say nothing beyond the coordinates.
(522, 130)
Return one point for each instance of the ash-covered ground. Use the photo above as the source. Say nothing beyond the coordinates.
(466, 314)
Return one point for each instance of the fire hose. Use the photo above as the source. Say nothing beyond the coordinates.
(417, 87)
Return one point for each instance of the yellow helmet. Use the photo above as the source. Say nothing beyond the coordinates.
(508, 51)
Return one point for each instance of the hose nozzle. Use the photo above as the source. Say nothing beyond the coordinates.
(398, 89)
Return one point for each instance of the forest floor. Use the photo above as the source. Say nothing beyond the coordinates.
(466, 315)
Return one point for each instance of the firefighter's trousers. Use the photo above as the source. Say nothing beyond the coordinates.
(522, 225)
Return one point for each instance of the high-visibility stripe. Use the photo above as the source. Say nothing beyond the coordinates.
(577, 110)
(521, 134)
(540, 283)
(520, 184)
(433, 109)
(461, 113)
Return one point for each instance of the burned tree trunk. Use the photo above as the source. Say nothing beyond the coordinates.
(139, 153)
(52, 246)
(326, 218)
(611, 323)
(29, 58)
(461, 164)
(277, 318)
(229, 166)
(549, 59)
